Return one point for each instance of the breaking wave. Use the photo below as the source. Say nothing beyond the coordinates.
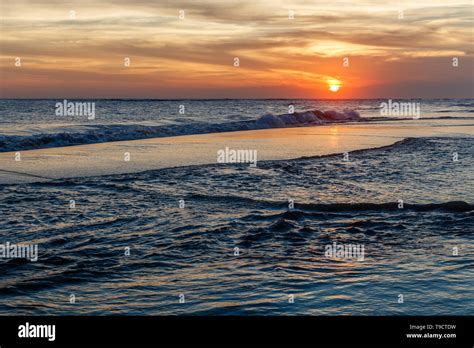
(120, 132)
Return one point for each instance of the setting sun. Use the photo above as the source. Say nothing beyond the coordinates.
(334, 84)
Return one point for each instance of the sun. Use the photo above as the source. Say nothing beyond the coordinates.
(334, 84)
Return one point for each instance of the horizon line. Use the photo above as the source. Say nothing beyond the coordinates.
(211, 99)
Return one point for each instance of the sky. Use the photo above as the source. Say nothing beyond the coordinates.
(188, 49)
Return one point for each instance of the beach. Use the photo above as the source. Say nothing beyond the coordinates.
(166, 152)
(284, 172)
(146, 218)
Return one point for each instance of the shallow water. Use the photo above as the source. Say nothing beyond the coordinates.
(191, 250)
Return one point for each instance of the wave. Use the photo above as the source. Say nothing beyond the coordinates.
(306, 208)
(122, 132)
(463, 104)
(100, 133)
(452, 111)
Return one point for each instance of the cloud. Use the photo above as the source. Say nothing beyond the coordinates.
(271, 47)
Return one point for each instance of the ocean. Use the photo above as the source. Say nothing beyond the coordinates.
(32, 124)
(231, 239)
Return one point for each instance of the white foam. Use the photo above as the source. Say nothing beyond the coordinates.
(311, 117)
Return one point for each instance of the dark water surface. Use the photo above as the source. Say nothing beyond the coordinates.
(281, 250)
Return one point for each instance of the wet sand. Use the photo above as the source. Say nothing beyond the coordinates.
(271, 144)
